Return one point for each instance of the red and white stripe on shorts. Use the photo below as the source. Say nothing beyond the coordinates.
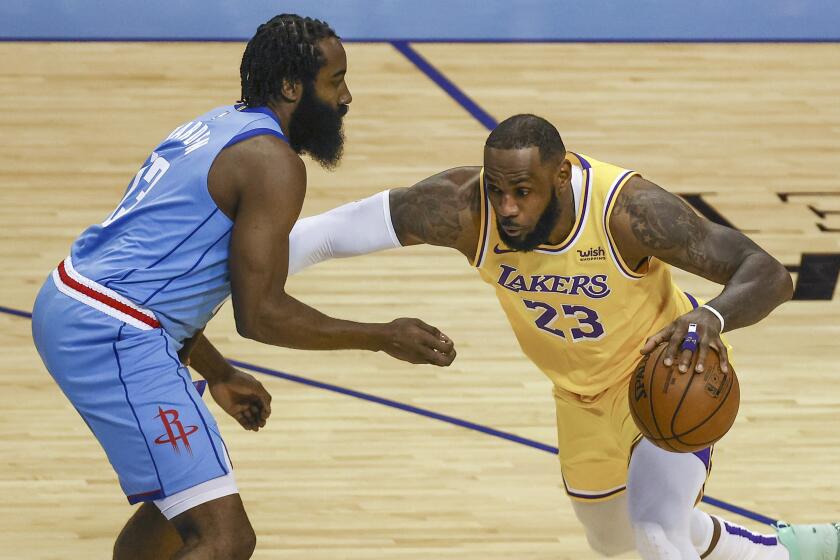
(95, 295)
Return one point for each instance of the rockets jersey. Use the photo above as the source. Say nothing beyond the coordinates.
(165, 247)
(579, 312)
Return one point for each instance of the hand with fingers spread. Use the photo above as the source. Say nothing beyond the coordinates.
(696, 331)
(243, 397)
(413, 341)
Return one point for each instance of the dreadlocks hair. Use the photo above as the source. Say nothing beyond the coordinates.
(283, 49)
(525, 131)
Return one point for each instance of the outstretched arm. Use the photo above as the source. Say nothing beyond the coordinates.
(269, 183)
(440, 210)
(650, 222)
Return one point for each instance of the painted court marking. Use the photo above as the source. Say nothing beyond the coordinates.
(429, 414)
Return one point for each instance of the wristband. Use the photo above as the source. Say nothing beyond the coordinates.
(716, 313)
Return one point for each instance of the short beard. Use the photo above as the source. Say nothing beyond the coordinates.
(316, 129)
(541, 232)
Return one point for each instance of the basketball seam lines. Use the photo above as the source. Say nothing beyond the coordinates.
(650, 400)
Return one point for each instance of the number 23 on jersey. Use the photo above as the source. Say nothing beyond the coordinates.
(148, 176)
(589, 327)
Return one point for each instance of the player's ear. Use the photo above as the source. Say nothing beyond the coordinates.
(291, 91)
(563, 175)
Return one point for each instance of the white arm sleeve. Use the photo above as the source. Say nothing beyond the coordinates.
(357, 228)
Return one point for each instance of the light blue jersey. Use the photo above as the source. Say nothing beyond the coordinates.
(110, 319)
(165, 247)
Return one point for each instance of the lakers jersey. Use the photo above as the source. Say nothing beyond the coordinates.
(579, 312)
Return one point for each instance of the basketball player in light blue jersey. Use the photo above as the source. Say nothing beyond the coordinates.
(206, 217)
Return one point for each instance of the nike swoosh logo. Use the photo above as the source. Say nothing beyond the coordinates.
(500, 251)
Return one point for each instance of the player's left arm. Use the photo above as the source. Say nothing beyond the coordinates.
(648, 221)
(238, 393)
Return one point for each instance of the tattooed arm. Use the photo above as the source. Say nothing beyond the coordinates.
(647, 221)
(442, 210)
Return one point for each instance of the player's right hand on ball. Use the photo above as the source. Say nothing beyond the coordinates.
(413, 341)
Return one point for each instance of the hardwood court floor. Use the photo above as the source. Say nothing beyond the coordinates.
(334, 477)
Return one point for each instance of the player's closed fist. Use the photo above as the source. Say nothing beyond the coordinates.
(413, 341)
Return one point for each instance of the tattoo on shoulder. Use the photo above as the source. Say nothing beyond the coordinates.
(433, 210)
(664, 224)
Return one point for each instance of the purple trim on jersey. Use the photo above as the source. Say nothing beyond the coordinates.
(692, 300)
(583, 163)
(255, 132)
(705, 455)
(766, 540)
(584, 208)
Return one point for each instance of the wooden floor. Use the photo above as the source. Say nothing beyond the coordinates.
(335, 477)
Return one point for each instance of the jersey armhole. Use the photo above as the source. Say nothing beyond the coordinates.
(618, 261)
(484, 224)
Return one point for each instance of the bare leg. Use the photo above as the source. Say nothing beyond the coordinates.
(216, 530)
(147, 536)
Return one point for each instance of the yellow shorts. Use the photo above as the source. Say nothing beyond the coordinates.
(595, 440)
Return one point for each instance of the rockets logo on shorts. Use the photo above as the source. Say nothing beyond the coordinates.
(174, 430)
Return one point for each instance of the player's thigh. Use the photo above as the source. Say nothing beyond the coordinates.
(222, 524)
(594, 441)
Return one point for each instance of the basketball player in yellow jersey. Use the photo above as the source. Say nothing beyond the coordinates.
(579, 253)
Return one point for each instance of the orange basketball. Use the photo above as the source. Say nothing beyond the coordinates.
(683, 412)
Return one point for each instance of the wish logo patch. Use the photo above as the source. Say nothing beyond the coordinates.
(592, 254)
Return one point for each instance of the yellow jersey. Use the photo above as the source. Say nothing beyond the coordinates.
(579, 312)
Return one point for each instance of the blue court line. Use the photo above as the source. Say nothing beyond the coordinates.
(398, 405)
(435, 416)
(738, 510)
(392, 40)
(10, 311)
(446, 85)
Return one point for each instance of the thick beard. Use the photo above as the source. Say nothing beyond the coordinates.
(539, 234)
(316, 129)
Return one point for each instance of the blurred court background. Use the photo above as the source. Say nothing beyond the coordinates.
(733, 105)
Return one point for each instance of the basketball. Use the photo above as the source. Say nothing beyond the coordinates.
(683, 412)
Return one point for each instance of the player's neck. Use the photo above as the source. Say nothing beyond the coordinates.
(284, 114)
(565, 219)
